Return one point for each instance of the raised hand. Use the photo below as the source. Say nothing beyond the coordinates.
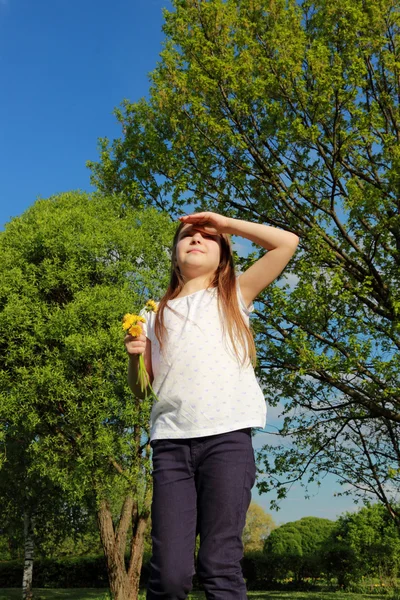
(209, 222)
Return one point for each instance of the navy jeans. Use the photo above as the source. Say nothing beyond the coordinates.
(200, 485)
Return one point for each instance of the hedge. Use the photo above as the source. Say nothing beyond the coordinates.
(57, 573)
(91, 572)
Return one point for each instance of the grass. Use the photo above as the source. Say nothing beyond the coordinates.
(102, 594)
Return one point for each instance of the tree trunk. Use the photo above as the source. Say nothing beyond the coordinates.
(117, 576)
(139, 524)
(124, 585)
(28, 557)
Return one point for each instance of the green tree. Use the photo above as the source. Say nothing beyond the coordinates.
(365, 543)
(299, 548)
(71, 267)
(258, 527)
(287, 112)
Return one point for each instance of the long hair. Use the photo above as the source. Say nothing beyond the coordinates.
(228, 306)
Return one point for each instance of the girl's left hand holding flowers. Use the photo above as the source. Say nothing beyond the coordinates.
(135, 343)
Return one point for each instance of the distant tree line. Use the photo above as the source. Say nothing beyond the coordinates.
(362, 544)
(303, 553)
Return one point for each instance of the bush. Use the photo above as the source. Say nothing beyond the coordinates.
(11, 573)
(256, 571)
(71, 572)
(58, 573)
(66, 572)
(87, 572)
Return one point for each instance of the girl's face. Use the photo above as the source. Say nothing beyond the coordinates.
(197, 252)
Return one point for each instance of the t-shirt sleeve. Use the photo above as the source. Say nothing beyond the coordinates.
(246, 309)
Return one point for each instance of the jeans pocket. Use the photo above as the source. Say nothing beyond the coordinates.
(159, 443)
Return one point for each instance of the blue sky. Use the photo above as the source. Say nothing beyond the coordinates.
(65, 66)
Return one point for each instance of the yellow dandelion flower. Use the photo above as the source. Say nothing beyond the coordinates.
(151, 305)
(127, 321)
(130, 320)
(135, 330)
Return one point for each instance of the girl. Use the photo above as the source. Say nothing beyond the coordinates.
(199, 353)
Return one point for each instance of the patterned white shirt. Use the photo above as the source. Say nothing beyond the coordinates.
(201, 387)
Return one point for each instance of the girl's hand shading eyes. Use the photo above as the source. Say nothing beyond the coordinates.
(210, 222)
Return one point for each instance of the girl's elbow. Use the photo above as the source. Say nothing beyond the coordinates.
(296, 239)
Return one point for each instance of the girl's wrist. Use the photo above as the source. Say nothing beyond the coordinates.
(231, 226)
(237, 226)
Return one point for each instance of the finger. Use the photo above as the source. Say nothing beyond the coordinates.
(196, 216)
(130, 338)
(203, 222)
(202, 216)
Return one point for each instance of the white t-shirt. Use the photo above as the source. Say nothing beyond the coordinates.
(201, 387)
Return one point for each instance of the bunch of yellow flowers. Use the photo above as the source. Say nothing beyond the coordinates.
(130, 324)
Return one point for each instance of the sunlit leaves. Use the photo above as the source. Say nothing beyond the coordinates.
(72, 265)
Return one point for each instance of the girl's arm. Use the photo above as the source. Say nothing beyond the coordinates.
(281, 246)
